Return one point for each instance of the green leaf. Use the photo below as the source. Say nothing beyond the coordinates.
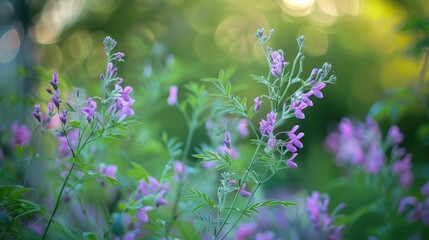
(212, 80)
(139, 172)
(74, 124)
(89, 236)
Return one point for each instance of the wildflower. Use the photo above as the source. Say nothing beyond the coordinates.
(124, 107)
(227, 141)
(290, 163)
(111, 69)
(394, 135)
(63, 116)
(277, 63)
(90, 110)
(172, 97)
(108, 170)
(142, 216)
(267, 235)
(424, 190)
(258, 103)
(313, 73)
(119, 55)
(242, 128)
(160, 200)
(243, 191)
(245, 231)
(36, 112)
(267, 126)
(294, 140)
(63, 147)
(125, 93)
(271, 144)
(54, 81)
(21, 135)
(56, 98)
(403, 169)
(297, 106)
(317, 208)
(316, 90)
(48, 90)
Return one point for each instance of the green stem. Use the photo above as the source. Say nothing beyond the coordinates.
(192, 126)
(238, 192)
(58, 201)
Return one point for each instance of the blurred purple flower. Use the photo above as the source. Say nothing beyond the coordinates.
(56, 98)
(63, 116)
(172, 97)
(245, 231)
(54, 81)
(227, 141)
(403, 169)
(108, 170)
(141, 215)
(425, 189)
(267, 235)
(63, 147)
(243, 191)
(242, 128)
(21, 135)
(394, 135)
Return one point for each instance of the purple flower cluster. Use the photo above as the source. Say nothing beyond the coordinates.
(361, 144)
(277, 63)
(414, 209)
(21, 135)
(266, 127)
(317, 208)
(302, 100)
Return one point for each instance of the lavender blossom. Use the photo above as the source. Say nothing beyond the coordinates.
(172, 97)
(227, 141)
(63, 116)
(90, 110)
(290, 163)
(277, 63)
(294, 140)
(54, 81)
(266, 127)
(36, 112)
(258, 103)
(317, 208)
(21, 135)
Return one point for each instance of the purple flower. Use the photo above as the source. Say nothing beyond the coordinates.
(124, 107)
(268, 235)
(227, 141)
(36, 112)
(258, 103)
(266, 127)
(21, 135)
(63, 116)
(160, 200)
(172, 97)
(294, 140)
(317, 208)
(63, 147)
(277, 63)
(125, 93)
(290, 163)
(111, 69)
(403, 169)
(316, 90)
(54, 81)
(141, 215)
(108, 170)
(394, 135)
(297, 106)
(245, 231)
(243, 191)
(56, 98)
(242, 128)
(119, 55)
(425, 189)
(314, 72)
(90, 110)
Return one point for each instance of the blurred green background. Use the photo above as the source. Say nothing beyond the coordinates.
(374, 46)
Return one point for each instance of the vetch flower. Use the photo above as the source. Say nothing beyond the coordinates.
(56, 98)
(258, 103)
(124, 107)
(54, 81)
(63, 116)
(243, 191)
(294, 140)
(242, 128)
(277, 63)
(290, 163)
(297, 106)
(172, 97)
(90, 110)
(108, 170)
(119, 55)
(316, 90)
(36, 112)
(141, 215)
(21, 135)
(227, 141)
(267, 126)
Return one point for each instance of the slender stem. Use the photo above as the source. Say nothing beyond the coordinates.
(242, 213)
(238, 192)
(58, 201)
(191, 130)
